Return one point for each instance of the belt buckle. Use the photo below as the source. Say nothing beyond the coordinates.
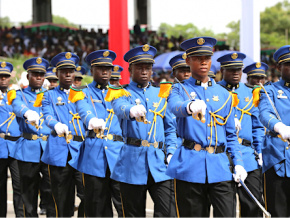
(110, 137)
(34, 137)
(145, 143)
(210, 150)
(44, 138)
(197, 147)
(2, 135)
(69, 137)
(240, 140)
(155, 144)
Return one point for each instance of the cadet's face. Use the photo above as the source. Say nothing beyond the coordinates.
(232, 76)
(35, 79)
(101, 75)
(53, 83)
(66, 77)
(78, 81)
(114, 82)
(141, 73)
(284, 68)
(182, 73)
(199, 66)
(4, 81)
(256, 80)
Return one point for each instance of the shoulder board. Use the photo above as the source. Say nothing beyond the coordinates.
(11, 95)
(249, 85)
(115, 92)
(39, 97)
(75, 94)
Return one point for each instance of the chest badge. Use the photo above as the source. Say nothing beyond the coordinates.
(280, 94)
(193, 95)
(59, 101)
(155, 104)
(247, 99)
(215, 98)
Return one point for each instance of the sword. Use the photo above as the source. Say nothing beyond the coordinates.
(32, 123)
(199, 115)
(267, 214)
(275, 110)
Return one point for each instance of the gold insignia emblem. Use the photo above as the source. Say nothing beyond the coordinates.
(287, 84)
(229, 86)
(215, 98)
(155, 104)
(68, 55)
(145, 47)
(247, 99)
(281, 92)
(258, 65)
(106, 53)
(54, 70)
(184, 56)
(116, 68)
(200, 41)
(79, 68)
(210, 150)
(39, 60)
(99, 86)
(234, 56)
(3, 64)
(193, 95)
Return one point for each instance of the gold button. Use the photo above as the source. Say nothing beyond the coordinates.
(106, 147)
(147, 99)
(69, 121)
(70, 111)
(6, 102)
(8, 133)
(68, 102)
(41, 134)
(207, 100)
(208, 125)
(236, 115)
(287, 148)
(205, 88)
(208, 137)
(103, 91)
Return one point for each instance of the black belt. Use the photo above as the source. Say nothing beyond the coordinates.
(144, 143)
(273, 134)
(246, 142)
(8, 137)
(112, 137)
(76, 138)
(30, 136)
(192, 145)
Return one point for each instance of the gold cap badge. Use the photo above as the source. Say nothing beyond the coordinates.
(146, 47)
(234, 56)
(39, 60)
(116, 68)
(106, 53)
(68, 55)
(79, 68)
(3, 64)
(184, 56)
(200, 41)
(258, 64)
(54, 70)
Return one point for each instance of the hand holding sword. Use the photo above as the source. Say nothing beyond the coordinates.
(139, 112)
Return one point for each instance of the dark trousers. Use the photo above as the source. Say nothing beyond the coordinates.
(162, 194)
(78, 180)
(30, 180)
(192, 199)
(63, 182)
(17, 201)
(46, 201)
(277, 194)
(99, 194)
(248, 207)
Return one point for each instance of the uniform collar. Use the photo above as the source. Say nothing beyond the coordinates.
(229, 86)
(99, 86)
(33, 89)
(139, 85)
(198, 82)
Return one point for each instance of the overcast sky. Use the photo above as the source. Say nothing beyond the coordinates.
(210, 14)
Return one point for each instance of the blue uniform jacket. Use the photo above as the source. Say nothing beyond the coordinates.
(57, 108)
(8, 126)
(96, 154)
(276, 153)
(252, 129)
(134, 162)
(28, 150)
(201, 166)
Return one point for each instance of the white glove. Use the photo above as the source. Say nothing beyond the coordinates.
(283, 130)
(61, 129)
(169, 158)
(96, 123)
(137, 111)
(238, 124)
(32, 116)
(260, 160)
(197, 106)
(240, 173)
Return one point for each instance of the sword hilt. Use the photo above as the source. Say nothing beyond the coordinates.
(99, 133)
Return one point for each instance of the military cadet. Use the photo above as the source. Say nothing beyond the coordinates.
(149, 132)
(80, 71)
(256, 74)
(9, 134)
(66, 136)
(250, 132)
(51, 77)
(116, 75)
(180, 69)
(98, 154)
(205, 121)
(30, 146)
(276, 152)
